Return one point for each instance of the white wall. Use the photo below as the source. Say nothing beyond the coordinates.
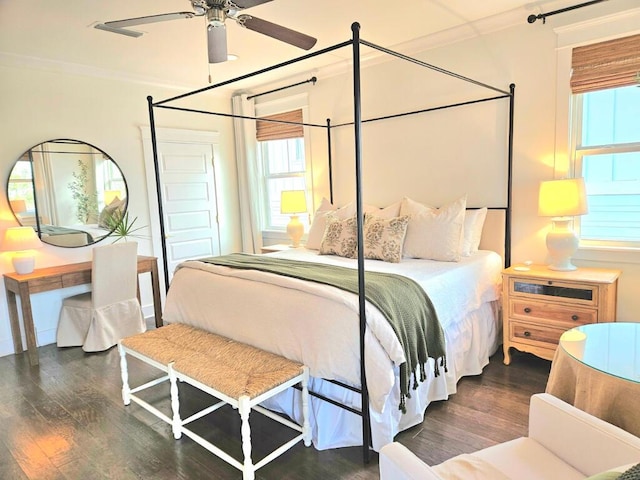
(38, 105)
(421, 158)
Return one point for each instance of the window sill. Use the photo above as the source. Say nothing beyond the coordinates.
(608, 254)
(277, 236)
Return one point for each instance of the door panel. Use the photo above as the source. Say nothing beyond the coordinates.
(189, 201)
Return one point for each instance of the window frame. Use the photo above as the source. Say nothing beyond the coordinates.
(268, 225)
(568, 36)
(578, 152)
(273, 107)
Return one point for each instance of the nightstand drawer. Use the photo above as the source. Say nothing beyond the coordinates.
(561, 315)
(583, 294)
(534, 335)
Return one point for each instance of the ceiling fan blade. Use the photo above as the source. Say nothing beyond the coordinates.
(278, 32)
(217, 44)
(117, 26)
(249, 3)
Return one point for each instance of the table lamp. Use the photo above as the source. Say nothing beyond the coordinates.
(22, 241)
(110, 196)
(294, 202)
(562, 200)
(18, 206)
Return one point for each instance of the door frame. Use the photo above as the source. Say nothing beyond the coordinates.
(170, 135)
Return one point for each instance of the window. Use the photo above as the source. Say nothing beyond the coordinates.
(20, 186)
(284, 164)
(606, 140)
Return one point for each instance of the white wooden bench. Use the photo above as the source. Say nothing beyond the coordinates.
(234, 373)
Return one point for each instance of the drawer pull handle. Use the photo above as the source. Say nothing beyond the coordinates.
(574, 317)
(527, 310)
(527, 333)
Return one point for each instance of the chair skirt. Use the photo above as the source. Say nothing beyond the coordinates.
(97, 329)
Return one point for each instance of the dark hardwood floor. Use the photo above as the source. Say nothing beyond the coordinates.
(65, 420)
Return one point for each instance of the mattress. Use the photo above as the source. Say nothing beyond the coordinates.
(318, 325)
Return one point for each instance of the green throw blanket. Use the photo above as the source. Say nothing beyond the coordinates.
(401, 300)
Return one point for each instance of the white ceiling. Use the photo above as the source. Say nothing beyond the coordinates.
(59, 34)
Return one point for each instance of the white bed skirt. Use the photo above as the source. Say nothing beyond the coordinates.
(469, 347)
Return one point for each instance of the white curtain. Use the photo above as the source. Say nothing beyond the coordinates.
(45, 187)
(248, 173)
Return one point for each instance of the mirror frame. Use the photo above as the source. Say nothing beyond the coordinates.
(38, 226)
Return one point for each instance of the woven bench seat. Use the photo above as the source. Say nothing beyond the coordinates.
(236, 374)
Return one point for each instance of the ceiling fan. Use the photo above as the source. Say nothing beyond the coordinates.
(216, 12)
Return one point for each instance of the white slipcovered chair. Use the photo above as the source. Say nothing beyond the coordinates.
(563, 443)
(98, 319)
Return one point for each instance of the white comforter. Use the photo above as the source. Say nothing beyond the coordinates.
(318, 325)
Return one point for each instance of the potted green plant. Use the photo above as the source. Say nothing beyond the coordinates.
(86, 203)
(122, 227)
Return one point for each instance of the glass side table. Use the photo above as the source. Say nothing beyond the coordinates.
(597, 369)
(612, 348)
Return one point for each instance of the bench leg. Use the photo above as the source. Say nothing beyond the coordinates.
(248, 472)
(306, 427)
(176, 424)
(126, 391)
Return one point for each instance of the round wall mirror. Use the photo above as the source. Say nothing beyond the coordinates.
(72, 193)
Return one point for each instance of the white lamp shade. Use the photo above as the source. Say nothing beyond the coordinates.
(562, 198)
(17, 239)
(293, 201)
(110, 196)
(18, 205)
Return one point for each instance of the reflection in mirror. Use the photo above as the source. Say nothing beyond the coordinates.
(72, 193)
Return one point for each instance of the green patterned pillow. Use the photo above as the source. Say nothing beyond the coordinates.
(339, 237)
(631, 474)
(384, 237)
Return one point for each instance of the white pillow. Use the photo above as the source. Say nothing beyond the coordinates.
(473, 223)
(432, 233)
(319, 223)
(387, 213)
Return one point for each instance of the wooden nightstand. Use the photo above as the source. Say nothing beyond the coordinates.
(540, 304)
(278, 247)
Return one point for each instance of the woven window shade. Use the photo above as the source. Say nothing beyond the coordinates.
(279, 131)
(610, 64)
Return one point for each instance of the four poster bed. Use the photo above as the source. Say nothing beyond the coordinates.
(353, 352)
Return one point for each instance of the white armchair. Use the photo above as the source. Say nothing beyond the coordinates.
(563, 442)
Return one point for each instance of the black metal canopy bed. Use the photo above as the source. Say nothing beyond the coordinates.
(353, 354)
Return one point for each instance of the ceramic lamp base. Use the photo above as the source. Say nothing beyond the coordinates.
(562, 243)
(295, 230)
(23, 262)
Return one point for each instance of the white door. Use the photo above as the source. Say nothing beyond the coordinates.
(189, 201)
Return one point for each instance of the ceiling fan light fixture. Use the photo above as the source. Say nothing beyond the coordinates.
(217, 44)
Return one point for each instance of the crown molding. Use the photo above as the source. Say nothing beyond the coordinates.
(603, 28)
(11, 60)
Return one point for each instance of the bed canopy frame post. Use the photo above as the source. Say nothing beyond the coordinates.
(357, 125)
(507, 240)
(154, 145)
(329, 160)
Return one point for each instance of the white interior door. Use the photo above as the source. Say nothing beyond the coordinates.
(186, 167)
